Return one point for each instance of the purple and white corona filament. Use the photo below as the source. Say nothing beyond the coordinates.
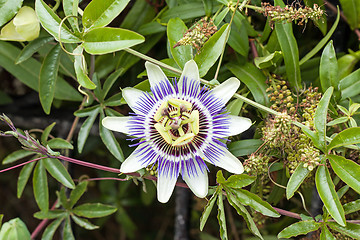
(180, 128)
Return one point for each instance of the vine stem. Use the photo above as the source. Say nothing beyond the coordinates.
(42, 224)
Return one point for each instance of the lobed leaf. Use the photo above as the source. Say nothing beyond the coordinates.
(51, 22)
(299, 228)
(17, 155)
(85, 129)
(59, 143)
(328, 195)
(328, 71)
(352, 207)
(48, 76)
(76, 194)
(94, 210)
(108, 40)
(211, 50)
(221, 217)
(250, 199)
(84, 223)
(350, 85)
(296, 180)
(50, 230)
(345, 138)
(239, 181)
(81, 69)
(320, 117)
(8, 10)
(24, 177)
(244, 147)
(326, 234)
(351, 229)
(59, 172)
(99, 13)
(346, 170)
(32, 48)
(40, 186)
(176, 28)
(207, 210)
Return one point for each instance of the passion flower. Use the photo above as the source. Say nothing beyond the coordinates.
(179, 127)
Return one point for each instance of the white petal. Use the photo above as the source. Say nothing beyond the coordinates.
(191, 72)
(131, 96)
(227, 89)
(238, 124)
(134, 162)
(165, 187)
(199, 183)
(155, 74)
(118, 124)
(228, 162)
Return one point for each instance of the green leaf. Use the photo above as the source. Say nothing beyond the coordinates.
(211, 50)
(328, 68)
(85, 129)
(296, 180)
(207, 210)
(221, 217)
(50, 230)
(151, 28)
(81, 69)
(352, 207)
(32, 48)
(99, 13)
(94, 210)
(220, 17)
(253, 78)
(268, 60)
(326, 234)
(17, 155)
(110, 141)
(347, 170)
(241, 210)
(51, 22)
(299, 228)
(48, 76)
(353, 108)
(250, 199)
(175, 31)
(321, 116)
(51, 214)
(351, 229)
(8, 9)
(76, 194)
(220, 177)
(244, 147)
(107, 40)
(114, 100)
(290, 49)
(351, 10)
(86, 112)
(24, 177)
(109, 82)
(238, 38)
(45, 134)
(59, 143)
(347, 63)
(28, 73)
(328, 195)
(67, 231)
(322, 42)
(239, 181)
(337, 121)
(59, 172)
(350, 85)
(345, 138)
(84, 223)
(184, 11)
(234, 107)
(62, 198)
(71, 9)
(14, 229)
(40, 187)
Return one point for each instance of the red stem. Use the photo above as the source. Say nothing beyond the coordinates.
(42, 224)
(21, 164)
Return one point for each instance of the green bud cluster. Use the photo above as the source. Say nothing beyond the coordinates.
(280, 96)
(285, 138)
(297, 14)
(198, 34)
(256, 164)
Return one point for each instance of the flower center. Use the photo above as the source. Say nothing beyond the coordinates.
(177, 123)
